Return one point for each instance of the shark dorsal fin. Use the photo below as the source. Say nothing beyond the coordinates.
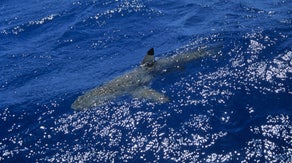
(148, 60)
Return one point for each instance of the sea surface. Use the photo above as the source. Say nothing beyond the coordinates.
(232, 106)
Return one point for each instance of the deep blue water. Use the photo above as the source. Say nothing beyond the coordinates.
(233, 106)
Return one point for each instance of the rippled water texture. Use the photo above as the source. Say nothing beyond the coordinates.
(232, 106)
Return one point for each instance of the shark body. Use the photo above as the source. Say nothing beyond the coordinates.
(136, 82)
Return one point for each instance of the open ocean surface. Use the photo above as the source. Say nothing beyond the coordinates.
(232, 106)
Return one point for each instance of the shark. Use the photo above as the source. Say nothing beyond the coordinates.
(137, 82)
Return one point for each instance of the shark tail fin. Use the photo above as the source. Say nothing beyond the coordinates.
(148, 60)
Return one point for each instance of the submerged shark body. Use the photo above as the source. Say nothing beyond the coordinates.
(136, 82)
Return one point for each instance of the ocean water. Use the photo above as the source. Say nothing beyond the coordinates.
(232, 106)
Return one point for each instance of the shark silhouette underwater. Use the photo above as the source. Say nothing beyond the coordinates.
(136, 82)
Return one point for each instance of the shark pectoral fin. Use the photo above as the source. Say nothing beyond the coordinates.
(150, 94)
